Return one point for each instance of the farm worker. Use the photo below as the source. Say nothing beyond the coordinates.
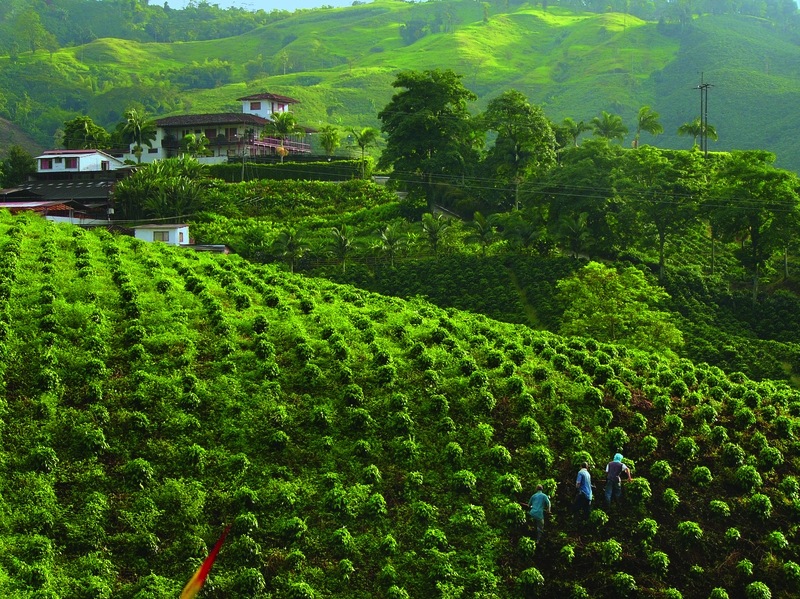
(538, 503)
(614, 470)
(583, 484)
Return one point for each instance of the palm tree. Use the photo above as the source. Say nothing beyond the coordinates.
(695, 129)
(343, 243)
(482, 232)
(291, 246)
(195, 145)
(648, 121)
(329, 139)
(391, 239)
(140, 130)
(574, 232)
(574, 130)
(434, 227)
(282, 126)
(609, 126)
(364, 138)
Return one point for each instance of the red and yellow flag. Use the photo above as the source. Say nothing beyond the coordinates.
(196, 582)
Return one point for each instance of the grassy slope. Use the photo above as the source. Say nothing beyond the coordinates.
(341, 62)
(152, 395)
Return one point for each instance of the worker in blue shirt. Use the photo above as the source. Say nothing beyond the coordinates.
(538, 503)
(583, 484)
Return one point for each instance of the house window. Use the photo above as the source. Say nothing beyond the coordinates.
(211, 133)
(231, 133)
(152, 150)
(104, 165)
(255, 105)
(180, 236)
(71, 162)
(161, 236)
(46, 164)
(281, 107)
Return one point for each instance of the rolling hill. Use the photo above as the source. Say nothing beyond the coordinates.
(358, 445)
(341, 62)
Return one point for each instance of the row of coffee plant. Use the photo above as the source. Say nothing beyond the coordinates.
(359, 445)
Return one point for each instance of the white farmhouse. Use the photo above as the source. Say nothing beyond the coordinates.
(170, 234)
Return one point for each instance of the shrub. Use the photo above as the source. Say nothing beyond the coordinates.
(623, 583)
(758, 590)
(701, 476)
(661, 470)
(530, 579)
(526, 546)
(609, 552)
(638, 491)
(659, 562)
(616, 439)
(718, 593)
(690, 532)
(671, 499)
(648, 445)
(465, 480)
(673, 424)
(647, 529)
(687, 448)
(568, 553)
(732, 535)
(790, 487)
(776, 541)
(598, 518)
(732, 455)
(397, 592)
(747, 478)
(745, 568)
(770, 458)
(791, 571)
(499, 456)
(760, 506)
(719, 508)
(509, 483)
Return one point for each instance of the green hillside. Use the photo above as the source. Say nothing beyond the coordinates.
(340, 63)
(359, 446)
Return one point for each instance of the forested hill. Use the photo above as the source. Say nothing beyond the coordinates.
(360, 446)
(341, 62)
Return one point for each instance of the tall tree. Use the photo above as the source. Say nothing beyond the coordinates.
(481, 231)
(391, 239)
(342, 244)
(195, 145)
(430, 135)
(525, 143)
(139, 130)
(575, 130)
(657, 195)
(433, 228)
(290, 245)
(81, 133)
(648, 121)
(329, 139)
(582, 184)
(364, 138)
(695, 129)
(609, 126)
(282, 126)
(17, 166)
(617, 306)
(762, 207)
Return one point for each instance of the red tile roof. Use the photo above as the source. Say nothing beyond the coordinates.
(266, 96)
(227, 118)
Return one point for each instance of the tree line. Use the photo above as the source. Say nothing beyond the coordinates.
(596, 196)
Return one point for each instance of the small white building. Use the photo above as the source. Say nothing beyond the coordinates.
(169, 234)
(77, 161)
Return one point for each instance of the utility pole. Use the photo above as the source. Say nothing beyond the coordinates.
(703, 87)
